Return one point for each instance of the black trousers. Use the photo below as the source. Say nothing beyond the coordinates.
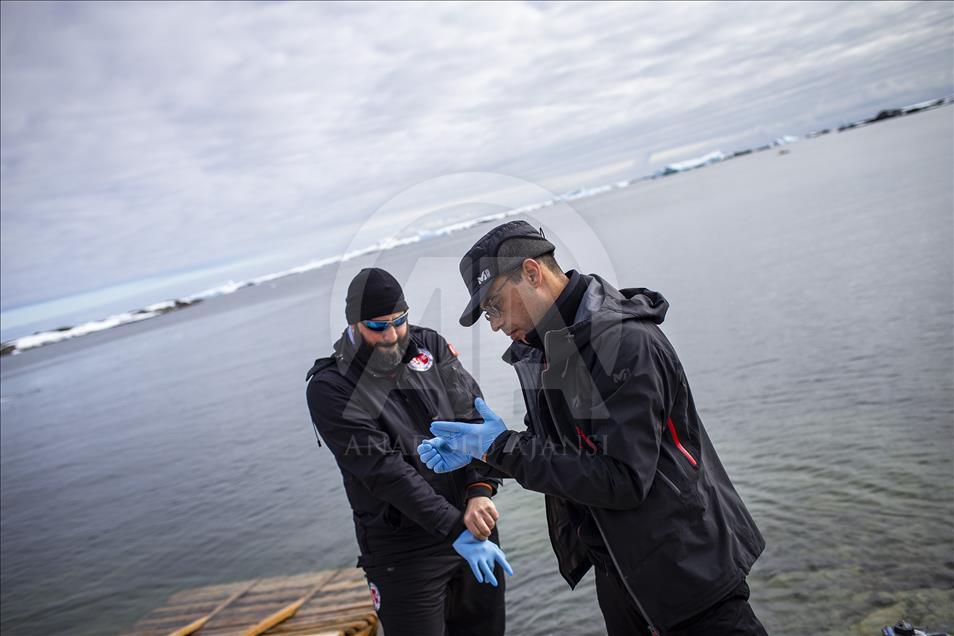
(436, 596)
(731, 616)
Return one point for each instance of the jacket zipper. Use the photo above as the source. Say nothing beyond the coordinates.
(583, 438)
(639, 606)
(403, 389)
(682, 449)
(619, 571)
(668, 482)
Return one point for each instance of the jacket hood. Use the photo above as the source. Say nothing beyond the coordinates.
(602, 301)
(602, 307)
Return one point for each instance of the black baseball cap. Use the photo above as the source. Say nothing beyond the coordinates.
(500, 250)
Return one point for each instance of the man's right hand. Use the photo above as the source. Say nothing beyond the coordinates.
(457, 442)
(471, 439)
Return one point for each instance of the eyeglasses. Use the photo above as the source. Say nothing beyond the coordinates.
(492, 310)
(382, 325)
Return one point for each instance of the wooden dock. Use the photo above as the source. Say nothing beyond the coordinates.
(327, 603)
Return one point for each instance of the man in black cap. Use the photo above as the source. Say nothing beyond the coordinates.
(633, 485)
(428, 542)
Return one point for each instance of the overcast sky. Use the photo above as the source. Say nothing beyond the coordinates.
(141, 139)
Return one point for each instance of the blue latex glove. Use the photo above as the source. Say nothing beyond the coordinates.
(468, 439)
(440, 457)
(481, 556)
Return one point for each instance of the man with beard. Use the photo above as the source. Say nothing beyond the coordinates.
(428, 542)
(633, 484)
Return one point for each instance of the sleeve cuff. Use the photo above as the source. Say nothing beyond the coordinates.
(479, 489)
(496, 446)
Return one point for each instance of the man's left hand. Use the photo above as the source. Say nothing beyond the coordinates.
(438, 456)
(482, 557)
(480, 517)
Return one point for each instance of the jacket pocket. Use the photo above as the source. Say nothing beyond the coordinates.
(393, 517)
(662, 476)
(678, 444)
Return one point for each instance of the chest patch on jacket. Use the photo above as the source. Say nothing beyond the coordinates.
(422, 361)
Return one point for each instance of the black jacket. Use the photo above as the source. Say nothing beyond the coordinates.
(625, 443)
(373, 425)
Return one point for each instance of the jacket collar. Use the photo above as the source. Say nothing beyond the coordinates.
(602, 308)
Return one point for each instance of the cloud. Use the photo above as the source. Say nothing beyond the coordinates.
(143, 137)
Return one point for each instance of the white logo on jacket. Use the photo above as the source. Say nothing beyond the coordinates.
(422, 361)
(375, 596)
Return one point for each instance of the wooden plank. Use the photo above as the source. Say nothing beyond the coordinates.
(285, 613)
(350, 627)
(361, 618)
(198, 623)
(256, 608)
(323, 621)
(309, 604)
(206, 593)
(353, 626)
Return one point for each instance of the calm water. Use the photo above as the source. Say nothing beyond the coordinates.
(811, 305)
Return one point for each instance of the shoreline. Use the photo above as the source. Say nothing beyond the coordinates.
(47, 337)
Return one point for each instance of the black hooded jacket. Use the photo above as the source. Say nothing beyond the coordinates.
(373, 424)
(621, 439)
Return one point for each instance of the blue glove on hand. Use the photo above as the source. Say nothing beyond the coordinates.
(481, 556)
(439, 456)
(469, 439)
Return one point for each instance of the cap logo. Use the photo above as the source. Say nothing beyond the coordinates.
(484, 277)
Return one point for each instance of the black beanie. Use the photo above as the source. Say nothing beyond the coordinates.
(373, 292)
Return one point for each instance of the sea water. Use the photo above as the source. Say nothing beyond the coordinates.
(811, 306)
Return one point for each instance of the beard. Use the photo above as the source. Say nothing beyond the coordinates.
(382, 358)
